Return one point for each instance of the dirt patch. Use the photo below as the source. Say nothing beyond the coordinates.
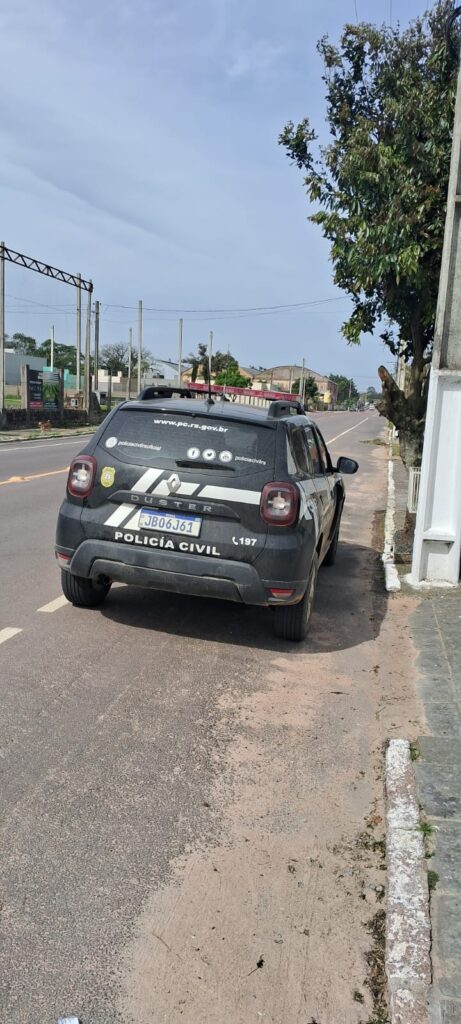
(271, 922)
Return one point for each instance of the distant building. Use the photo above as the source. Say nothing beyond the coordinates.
(282, 378)
(163, 369)
(14, 361)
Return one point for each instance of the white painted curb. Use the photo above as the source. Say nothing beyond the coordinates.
(408, 933)
(391, 575)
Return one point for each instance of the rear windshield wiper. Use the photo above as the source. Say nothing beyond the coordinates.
(195, 464)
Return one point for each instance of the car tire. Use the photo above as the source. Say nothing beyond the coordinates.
(81, 592)
(291, 621)
(330, 557)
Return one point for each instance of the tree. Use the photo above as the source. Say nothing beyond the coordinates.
(193, 361)
(199, 363)
(114, 358)
(311, 390)
(146, 359)
(64, 356)
(204, 362)
(23, 344)
(232, 378)
(346, 389)
(381, 188)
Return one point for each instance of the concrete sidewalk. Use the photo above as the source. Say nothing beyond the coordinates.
(436, 632)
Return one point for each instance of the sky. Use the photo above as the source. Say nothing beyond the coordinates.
(139, 148)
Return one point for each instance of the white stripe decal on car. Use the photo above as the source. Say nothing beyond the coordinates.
(146, 480)
(120, 513)
(231, 494)
(133, 523)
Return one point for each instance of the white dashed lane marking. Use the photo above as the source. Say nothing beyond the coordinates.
(330, 441)
(53, 606)
(8, 632)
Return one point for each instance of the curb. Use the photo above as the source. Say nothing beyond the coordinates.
(391, 576)
(49, 436)
(408, 931)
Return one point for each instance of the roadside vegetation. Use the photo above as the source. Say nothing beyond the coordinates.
(378, 188)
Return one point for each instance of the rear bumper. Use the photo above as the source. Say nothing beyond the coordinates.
(196, 575)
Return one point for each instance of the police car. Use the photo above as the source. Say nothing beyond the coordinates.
(204, 498)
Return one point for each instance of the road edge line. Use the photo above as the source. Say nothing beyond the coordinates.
(391, 576)
(408, 929)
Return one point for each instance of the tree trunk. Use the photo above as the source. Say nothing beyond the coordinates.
(406, 413)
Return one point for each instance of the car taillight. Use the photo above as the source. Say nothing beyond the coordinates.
(279, 504)
(63, 560)
(82, 473)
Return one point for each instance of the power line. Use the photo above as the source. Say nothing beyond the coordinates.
(228, 309)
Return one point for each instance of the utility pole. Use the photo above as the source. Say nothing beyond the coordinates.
(52, 348)
(437, 544)
(302, 384)
(96, 346)
(2, 330)
(180, 352)
(210, 355)
(139, 343)
(79, 329)
(87, 371)
(130, 348)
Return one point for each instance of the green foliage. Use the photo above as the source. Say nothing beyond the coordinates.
(231, 376)
(311, 390)
(23, 344)
(222, 363)
(432, 879)
(146, 359)
(64, 356)
(380, 185)
(346, 389)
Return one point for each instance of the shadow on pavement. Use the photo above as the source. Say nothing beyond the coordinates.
(350, 605)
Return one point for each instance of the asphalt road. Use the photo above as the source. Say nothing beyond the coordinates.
(112, 735)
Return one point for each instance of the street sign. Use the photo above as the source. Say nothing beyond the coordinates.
(35, 386)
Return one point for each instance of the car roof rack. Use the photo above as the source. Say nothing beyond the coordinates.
(281, 408)
(162, 391)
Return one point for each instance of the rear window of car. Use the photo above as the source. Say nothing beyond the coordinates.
(150, 438)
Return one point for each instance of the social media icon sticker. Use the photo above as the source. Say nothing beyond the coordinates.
(193, 453)
(209, 454)
(111, 442)
(225, 457)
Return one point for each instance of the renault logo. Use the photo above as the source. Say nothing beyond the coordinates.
(173, 483)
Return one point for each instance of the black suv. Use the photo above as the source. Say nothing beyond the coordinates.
(205, 498)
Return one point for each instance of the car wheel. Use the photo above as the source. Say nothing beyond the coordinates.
(291, 621)
(81, 592)
(330, 557)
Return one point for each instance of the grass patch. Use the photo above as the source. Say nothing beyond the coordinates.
(426, 828)
(432, 879)
(415, 752)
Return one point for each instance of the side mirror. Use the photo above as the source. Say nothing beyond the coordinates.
(347, 465)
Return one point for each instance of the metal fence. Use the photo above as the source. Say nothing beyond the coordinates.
(414, 481)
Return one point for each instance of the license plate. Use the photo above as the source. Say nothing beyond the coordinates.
(188, 526)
